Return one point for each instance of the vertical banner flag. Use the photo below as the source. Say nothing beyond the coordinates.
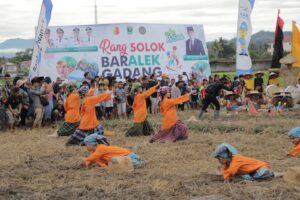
(40, 43)
(244, 32)
(278, 46)
(296, 44)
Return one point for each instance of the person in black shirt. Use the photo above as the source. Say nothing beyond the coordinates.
(14, 106)
(212, 91)
(259, 82)
(58, 112)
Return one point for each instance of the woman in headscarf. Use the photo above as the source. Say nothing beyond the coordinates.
(141, 125)
(72, 109)
(294, 134)
(171, 128)
(238, 165)
(89, 123)
(102, 153)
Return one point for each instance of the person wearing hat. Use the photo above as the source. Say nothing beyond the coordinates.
(212, 91)
(89, 123)
(72, 116)
(193, 45)
(36, 92)
(25, 101)
(14, 106)
(273, 79)
(294, 134)
(102, 152)
(237, 165)
(89, 40)
(76, 37)
(141, 125)
(60, 41)
(171, 129)
(259, 82)
(48, 39)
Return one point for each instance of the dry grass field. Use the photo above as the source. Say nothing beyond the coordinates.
(34, 166)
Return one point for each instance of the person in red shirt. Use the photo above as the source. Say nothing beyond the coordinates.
(171, 128)
(294, 134)
(102, 152)
(89, 123)
(242, 166)
(141, 125)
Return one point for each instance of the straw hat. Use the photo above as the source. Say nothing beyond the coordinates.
(20, 82)
(273, 74)
(259, 73)
(288, 59)
(253, 92)
(229, 93)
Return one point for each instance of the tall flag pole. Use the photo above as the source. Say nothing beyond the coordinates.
(40, 41)
(278, 46)
(244, 32)
(96, 13)
(296, 43)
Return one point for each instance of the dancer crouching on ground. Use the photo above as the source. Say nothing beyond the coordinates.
(294, 134)
(89, 123)
(238, 165)
(141, 125)
(102, 153)
(171, 129)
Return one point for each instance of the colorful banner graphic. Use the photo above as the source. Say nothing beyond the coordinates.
(40, 42)
(244, 32)
(123, 50)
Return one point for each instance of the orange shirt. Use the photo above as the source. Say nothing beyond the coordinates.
(296, 150)
(241, 165)
(139, 105)
(104, 153)
(88, 114)
(168, 110)
(72, 107)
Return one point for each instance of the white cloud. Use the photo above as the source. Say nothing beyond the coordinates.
(19, 17)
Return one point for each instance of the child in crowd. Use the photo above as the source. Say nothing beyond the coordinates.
(58, 112)
(242, 166)
(294, 134)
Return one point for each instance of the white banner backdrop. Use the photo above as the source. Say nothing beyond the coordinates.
(244, 32)
(123, 50)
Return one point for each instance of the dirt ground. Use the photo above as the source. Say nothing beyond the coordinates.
(34, 166)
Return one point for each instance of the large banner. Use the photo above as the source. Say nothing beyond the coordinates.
(40, 42)
(123, 50)
(244, 32)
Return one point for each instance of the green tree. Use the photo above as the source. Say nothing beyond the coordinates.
(22, 56)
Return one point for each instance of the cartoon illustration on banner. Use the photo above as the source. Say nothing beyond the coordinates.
(123, 50)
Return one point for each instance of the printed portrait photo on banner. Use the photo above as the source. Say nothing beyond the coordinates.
(193, 45)
(60, 41)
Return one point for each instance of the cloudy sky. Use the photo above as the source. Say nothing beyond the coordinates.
(19, 17)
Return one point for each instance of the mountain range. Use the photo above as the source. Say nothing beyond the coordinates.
(9, 47)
